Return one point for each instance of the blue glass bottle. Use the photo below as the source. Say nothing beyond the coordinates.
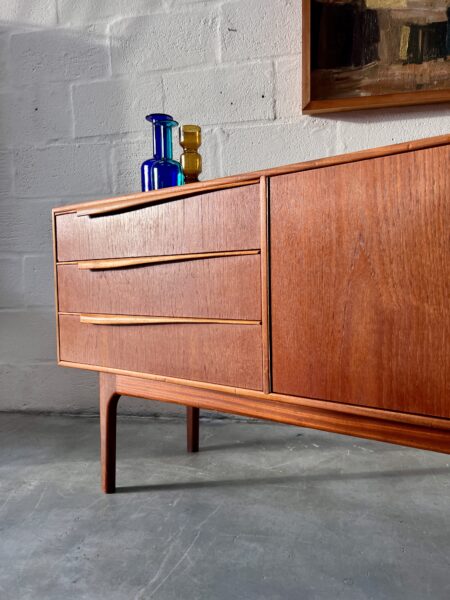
(161, 170)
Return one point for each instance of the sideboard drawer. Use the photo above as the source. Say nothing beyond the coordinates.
(214, 221)
(227, 354)
(221, 287)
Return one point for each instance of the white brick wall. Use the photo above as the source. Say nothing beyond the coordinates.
(37, 12)
(61, 170)
(76, 80)
(259, 28)
(228, 94)
(86, 12)
(108, 107)
(57, 55)
(161, 41)
(35, 115)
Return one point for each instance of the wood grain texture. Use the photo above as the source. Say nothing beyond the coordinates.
(176, 192)
(217, 221)
(192, 428)
(424, 433)
(133, 320)
(227, 288)
(316, 107)
(364, 265)
(265, 311)
(108, 426)
(109, 398)
(418, 434)
(120, 263)
(132, 201)
(223, 354)
(55, 282)
(361, 283)
(421, 421)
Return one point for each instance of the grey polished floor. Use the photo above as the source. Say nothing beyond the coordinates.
(263, 512)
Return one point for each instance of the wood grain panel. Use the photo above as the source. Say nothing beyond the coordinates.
(227, 288)
(118, 204)
(360, 269)
(221, 220)
(223, 354)
(323, 406)
(420, 434)
(265, 313)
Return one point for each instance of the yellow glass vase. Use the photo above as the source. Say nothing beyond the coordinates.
(191, 160)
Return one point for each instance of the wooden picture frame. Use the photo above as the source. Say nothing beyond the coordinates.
(311, 105)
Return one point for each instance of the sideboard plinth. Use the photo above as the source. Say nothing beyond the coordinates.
(387, 426)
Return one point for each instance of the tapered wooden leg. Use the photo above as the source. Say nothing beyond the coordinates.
(192, 422)
(108, 421)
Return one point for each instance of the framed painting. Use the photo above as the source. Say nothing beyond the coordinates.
(374, 53)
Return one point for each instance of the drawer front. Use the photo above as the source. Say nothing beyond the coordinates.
(226, 354)
(215, 221)
(225, 288)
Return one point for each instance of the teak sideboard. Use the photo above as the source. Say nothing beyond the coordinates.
(315, 294)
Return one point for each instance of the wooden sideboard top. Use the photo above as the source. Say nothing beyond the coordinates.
(134, 200)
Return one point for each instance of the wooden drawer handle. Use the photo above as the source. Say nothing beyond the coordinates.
(137, 201)
(119, 263)
(136, 320)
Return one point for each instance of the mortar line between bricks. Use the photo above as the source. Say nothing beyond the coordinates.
(110, 66)
(194, 67)
(163, 94)
(218, 49)
(124, 138)
(221, 139)
(11, 255)
(72, 114)
(30, 363)
(58, 19)
(22, 282)
(33, 309)
(273, 81)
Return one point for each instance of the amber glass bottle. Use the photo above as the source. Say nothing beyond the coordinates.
(191, 161)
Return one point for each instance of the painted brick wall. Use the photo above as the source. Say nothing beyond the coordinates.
(77, 78)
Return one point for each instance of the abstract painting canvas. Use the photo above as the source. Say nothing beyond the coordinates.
(368, 53)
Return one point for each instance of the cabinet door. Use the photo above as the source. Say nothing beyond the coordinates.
(360, 282)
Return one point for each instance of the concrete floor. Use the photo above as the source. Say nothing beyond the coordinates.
(264, 512)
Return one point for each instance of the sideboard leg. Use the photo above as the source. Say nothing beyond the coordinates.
(108, 420)
(192, 422)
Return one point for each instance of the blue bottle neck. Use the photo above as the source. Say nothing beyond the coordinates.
(162, 141)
